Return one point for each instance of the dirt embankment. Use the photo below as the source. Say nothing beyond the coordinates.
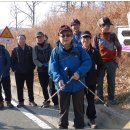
(123, 84)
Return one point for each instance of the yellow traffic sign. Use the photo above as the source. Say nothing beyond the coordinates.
(6, 33)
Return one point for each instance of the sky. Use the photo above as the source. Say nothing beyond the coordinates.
(6, 19)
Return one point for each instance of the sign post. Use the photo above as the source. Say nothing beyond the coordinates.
(6, 36)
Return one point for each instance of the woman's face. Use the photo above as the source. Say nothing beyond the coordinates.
(85, 41)
(65, 37)
(105, 28)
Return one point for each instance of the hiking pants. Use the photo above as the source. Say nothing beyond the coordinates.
(110, 69)
(90, 110)
(78, 101)
(44, 82)
(20, 79)
(5, 83)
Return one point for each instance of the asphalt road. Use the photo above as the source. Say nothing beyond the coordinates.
(32, 117)
(41, 118)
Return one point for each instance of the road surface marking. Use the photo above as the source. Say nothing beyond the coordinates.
(31, 116)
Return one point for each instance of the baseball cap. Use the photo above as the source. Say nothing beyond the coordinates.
(39, 34)
(64, 28)
(104, 21)
(75, 21)
(86, 34)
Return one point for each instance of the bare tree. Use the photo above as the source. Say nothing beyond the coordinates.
(14, 12)
(67, 6)
(61, 7)
(30, 12)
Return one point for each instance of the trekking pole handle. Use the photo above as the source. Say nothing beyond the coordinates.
(57, 91)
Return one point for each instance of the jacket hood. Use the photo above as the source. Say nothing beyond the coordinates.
(57, 43)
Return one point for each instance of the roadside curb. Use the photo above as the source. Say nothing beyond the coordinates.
(115, 119)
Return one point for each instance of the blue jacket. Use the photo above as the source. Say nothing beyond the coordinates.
(4, 62)
(77, 60)
(77, 38)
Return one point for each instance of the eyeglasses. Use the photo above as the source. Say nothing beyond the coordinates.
(67, 35)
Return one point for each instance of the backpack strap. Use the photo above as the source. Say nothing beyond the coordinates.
(57, 52)
(78, 51)
(17, 54)
(97, 38)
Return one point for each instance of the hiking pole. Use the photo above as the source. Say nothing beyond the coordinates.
(1, 77)
(106, 105)
(70, 74)
(57, 92)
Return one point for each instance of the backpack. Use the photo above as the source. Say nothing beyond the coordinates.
(98, 37)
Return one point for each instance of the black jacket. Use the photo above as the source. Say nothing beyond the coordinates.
(21, 60)
(97, 63)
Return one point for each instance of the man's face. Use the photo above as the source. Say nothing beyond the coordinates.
(40, 39)
(75, 28)
(21, 40)
(65, 37)
(105, 28)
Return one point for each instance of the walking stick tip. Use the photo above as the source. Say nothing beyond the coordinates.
(105, 105)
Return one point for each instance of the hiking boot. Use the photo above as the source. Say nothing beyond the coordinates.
(9, 104)
(92, 124)
(21, 104)
(78, 127)
(46, 104)
(62, 127)
(33, 104)
(112, 102)
(1, 104)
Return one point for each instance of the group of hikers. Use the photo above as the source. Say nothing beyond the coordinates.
(76, 61)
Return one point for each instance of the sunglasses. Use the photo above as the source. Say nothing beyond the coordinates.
(67, 35)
